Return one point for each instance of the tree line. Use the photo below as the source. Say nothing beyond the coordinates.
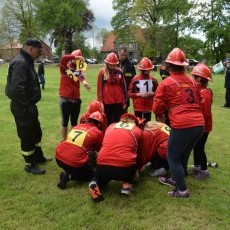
(165, 24)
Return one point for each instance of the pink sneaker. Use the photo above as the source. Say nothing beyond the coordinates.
(202, 175)
(167, 181)
(179, 194)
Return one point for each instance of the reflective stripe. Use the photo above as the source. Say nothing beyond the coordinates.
(27, 153)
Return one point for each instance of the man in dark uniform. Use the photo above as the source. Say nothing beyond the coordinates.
(24, 91)
(227, 84)
(128, 70)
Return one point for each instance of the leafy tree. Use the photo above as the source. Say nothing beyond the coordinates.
(63, 19)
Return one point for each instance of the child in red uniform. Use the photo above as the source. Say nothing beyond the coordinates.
(153, 149)
(179, 94)
(202, 75)
(117, 158)
(92, 107)
(69, 90)
(73, 154)
(142, 88)
(111, 89)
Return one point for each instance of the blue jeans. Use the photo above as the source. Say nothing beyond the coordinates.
(180, 144)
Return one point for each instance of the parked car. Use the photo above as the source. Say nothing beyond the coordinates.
(192, 62)
(55, 59)
(47, 61)
(89, 61)
(134, 61)
(94, 60)
(2, 61)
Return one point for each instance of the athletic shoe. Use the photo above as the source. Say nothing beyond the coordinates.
(34, 170)
(64, 178)
(126, 189)
(194, 170)
(179, 194)
(158, 172)
(95, 192)
(167, 181)
(202, 175)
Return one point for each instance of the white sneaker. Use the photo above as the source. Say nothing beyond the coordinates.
(158, 172)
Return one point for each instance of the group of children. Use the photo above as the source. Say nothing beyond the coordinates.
(109, 144)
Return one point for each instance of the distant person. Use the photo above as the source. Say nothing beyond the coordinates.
(117, 157)
(128, 69)
(180, 95)
(24, 91)
(202, 74)
(142, 89)
(164, 73)
(74, 154)
(227, 84)
(69, 90)
(111, 89)
(41, 73)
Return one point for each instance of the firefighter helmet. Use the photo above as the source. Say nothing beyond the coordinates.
(77, 53)
(112, 59)
(94, 106)
(97, 116)
(202, 70)
(130, 116)
(145, 64)
(176, 57)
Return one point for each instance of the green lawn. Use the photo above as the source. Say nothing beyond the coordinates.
(34, 202)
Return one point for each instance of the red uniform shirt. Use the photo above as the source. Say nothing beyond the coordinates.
(68, 87)
(142, 84)
(112, 90)
(207, 98)
(153, 141)
(119, 147)
(181, 97)
(82, 138)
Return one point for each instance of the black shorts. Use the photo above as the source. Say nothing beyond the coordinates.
(70, 110)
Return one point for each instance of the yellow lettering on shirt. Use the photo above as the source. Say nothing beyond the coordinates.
(166, 129)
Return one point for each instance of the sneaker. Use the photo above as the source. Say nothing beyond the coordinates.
(64, 178)
(34, 170)
(95, 192)
(179, 194)
(194, 170)
(202, 175)
(158, 172)
(167, 181)
(126, 189)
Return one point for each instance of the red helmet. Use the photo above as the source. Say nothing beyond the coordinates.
(202, 70)
(176, 57)
(112, 59)
(130, 116)
(97, 116)
(94, 106)
(145, 64)
(77, 53)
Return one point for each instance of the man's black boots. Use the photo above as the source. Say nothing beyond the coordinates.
(39, 156)
(31, 166)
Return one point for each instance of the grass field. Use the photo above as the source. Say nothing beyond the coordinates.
(34, 202)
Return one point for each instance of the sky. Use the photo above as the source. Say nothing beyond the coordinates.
(103, 13)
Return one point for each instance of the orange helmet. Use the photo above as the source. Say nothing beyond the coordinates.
(97, 116)
(94, 106)
(176, 57)
(130, 116)
(145, 64)
(112, 59)
(77, 53)
(202, 70)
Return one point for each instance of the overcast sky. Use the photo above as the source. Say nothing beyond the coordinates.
(103, 13)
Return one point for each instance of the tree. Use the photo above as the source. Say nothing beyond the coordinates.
(63, 19)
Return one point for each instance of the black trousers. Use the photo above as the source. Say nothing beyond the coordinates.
(158, 162)
(142, 115)
(84, 173)
(113, 112)
(28, 126)
(199, 154)
(105, 173)
(227, 98)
